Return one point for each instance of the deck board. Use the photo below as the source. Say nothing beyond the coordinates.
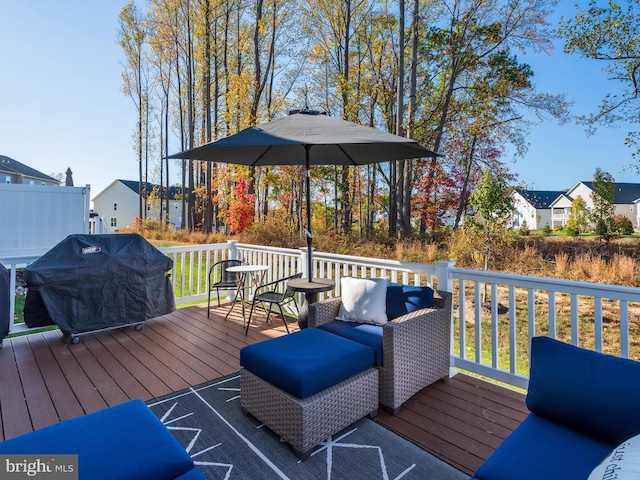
(41, 409)
(44, 380)
(154, 385)
(89, 398)
(455, 421)
(64, 400)
(14, 417)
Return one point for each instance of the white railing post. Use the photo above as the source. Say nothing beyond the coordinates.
(86, 192)
(444, 274)
(12, 297)
(233, 249)
(303, 262)
(104, 226)
(445, 283)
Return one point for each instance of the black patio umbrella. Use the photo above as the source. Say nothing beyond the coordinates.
(308, 138)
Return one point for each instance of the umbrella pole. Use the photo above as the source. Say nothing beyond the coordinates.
(308, 229)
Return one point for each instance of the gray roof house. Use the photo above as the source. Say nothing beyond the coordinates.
(118, 204)
(12, 171)
(627, 197)
(533, 207)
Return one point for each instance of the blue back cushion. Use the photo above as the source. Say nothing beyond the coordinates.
(125, 441)
(403, 299)
(591, 392)
(306, 362)
(365, 333)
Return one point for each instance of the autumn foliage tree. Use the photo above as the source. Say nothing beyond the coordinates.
(213, 68)
(241, 211)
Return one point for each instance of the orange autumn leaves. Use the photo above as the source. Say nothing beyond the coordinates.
(241, 211)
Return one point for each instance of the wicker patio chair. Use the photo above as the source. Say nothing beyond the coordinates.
(220, 279)
(416, 347)
(276, 292)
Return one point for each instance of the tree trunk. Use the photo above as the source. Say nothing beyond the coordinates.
(190, 118)
(400, 164)
(206, 71)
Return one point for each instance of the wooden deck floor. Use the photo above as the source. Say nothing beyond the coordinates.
(44, 380)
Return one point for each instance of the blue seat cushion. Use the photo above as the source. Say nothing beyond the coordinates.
(306, 362)
(542, 449)
(403, 299)
(125, 442)
(365, 333)
(593, 393)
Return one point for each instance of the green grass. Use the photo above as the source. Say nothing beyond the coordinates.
(18, 316)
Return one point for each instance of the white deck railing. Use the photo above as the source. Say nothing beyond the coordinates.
(497, 329)
(590, 315)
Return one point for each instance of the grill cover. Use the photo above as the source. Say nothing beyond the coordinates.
(92, 282)
(5, 297)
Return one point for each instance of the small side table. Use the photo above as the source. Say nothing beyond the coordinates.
(311, 289)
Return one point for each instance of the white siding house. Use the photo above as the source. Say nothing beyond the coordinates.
(118, 204)
(533, 207)
(626, 196)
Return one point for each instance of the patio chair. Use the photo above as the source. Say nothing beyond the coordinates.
(274, 293)
(220, 279)
(414, 347)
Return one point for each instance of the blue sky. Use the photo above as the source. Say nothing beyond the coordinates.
(61, 104)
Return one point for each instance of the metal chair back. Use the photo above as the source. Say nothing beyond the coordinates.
(221, 279)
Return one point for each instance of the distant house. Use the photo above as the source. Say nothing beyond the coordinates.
(119, 204)
(627, 197)
(12, 171)
(533, 207)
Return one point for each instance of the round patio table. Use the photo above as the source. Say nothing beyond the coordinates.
(243, 272)
(311, 289)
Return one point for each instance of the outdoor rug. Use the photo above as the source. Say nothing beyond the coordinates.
(226, 444)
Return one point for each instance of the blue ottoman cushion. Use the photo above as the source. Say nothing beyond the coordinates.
(125, 442)
(365, 333)
(403, 299)
(306, 362)
(538, 447)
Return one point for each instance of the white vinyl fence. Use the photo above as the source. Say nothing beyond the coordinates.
(34, 218)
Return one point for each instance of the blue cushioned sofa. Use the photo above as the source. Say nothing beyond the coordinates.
(583, 404)
(412, 350)
(122, 442)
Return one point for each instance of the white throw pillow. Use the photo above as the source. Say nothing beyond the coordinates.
(364, 300)
(623, 463)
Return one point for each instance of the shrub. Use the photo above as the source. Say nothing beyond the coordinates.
(464, 244)
(623, 225)
(524, 229)
(572, 231)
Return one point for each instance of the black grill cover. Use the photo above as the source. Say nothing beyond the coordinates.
(5, 297)
(92, 282)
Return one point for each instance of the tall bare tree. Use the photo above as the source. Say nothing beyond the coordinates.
(131, 36)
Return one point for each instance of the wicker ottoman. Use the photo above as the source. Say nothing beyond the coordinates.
(315, 386)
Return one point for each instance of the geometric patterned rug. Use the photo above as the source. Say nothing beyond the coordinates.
(226, 444)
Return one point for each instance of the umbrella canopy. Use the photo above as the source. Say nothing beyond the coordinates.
(308, 138)
(330, 141)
